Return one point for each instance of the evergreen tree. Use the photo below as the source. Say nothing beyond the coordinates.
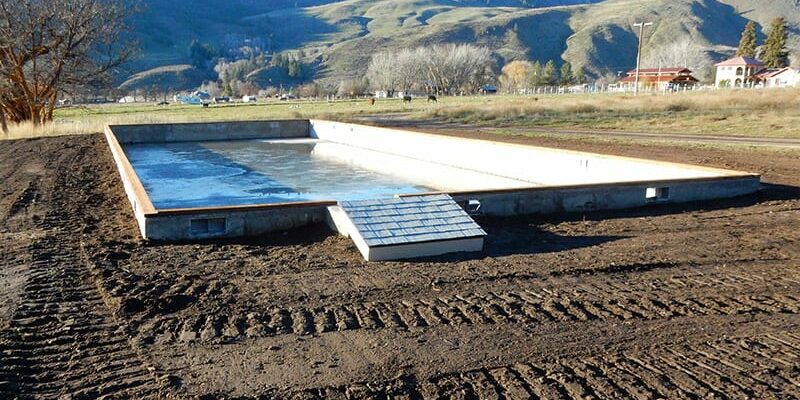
(550, 73)
(748, 43)
(278, 60)
(580, 76)
(774, 54)
(201, 54)
(295, 69)
(536, 74)
(567, 77)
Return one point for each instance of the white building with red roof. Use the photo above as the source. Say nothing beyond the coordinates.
(749, 72)
(778, 77)
(737, 72)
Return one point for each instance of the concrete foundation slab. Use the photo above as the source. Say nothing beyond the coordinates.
(348, 162)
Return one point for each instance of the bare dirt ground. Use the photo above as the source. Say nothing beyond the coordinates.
(690, 301)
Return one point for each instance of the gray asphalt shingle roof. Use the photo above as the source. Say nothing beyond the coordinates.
(411, 219)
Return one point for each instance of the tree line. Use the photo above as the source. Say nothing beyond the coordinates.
(440, 69)
(773, 53)
(521, 74)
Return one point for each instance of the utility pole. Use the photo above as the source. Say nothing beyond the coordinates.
(641, 26)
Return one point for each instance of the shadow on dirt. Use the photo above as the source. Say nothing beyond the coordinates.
(769, 192)
(523, 235)
(507, 237)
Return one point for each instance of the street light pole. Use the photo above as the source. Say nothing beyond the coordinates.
(641, 26)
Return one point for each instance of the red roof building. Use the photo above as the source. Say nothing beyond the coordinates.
(777, 77)
(661, 78)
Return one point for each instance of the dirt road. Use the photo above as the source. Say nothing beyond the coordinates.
(692, 301)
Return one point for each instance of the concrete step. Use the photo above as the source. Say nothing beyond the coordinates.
(407, 227)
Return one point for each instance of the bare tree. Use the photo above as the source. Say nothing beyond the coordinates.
(352, 88)
(450, 68)
(409, 70)
(212, 88)
(51, 48)
(310, 90)
(437, 69)
(679, 54)
(383, 73)
(515, 75)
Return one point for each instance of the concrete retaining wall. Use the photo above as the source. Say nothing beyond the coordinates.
(537, 165)
(588, 198)
(134, 190)
(233, 223)
(206, 131)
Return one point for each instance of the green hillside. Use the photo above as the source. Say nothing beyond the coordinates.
(339, 37)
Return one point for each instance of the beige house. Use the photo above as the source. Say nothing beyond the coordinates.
(737, 72)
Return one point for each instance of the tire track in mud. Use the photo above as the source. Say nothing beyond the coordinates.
(606, 300)
(61, 341)
(751, 367)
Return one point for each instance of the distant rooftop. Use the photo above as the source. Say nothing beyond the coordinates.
(670, 70)
(770, 72)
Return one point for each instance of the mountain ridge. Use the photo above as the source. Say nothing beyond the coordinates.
(339, 37)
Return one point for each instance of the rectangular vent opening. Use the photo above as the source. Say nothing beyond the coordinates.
(208, 226)
(472, 207)
(657, 194)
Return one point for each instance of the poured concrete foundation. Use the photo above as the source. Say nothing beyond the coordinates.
(488, 178)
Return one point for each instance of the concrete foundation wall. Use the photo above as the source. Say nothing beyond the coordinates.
(180, 227)
(207, 131)
(130, 181)
(606, 182)
(422, 172)
(607, 197)
(536, 165)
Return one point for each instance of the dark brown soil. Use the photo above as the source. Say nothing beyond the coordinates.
(689, 301)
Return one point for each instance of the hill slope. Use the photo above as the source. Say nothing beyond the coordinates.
(341, 36)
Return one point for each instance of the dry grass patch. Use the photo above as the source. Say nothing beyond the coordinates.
(745, 112)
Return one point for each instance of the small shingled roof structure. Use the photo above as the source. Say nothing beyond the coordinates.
(770, 72)
(406, 227)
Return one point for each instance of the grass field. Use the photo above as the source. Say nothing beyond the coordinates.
(765, 113)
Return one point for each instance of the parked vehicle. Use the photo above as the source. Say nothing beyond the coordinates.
(222, 99)
(249, 99)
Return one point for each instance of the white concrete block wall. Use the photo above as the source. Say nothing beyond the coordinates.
(421, 172)
(535, 165)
